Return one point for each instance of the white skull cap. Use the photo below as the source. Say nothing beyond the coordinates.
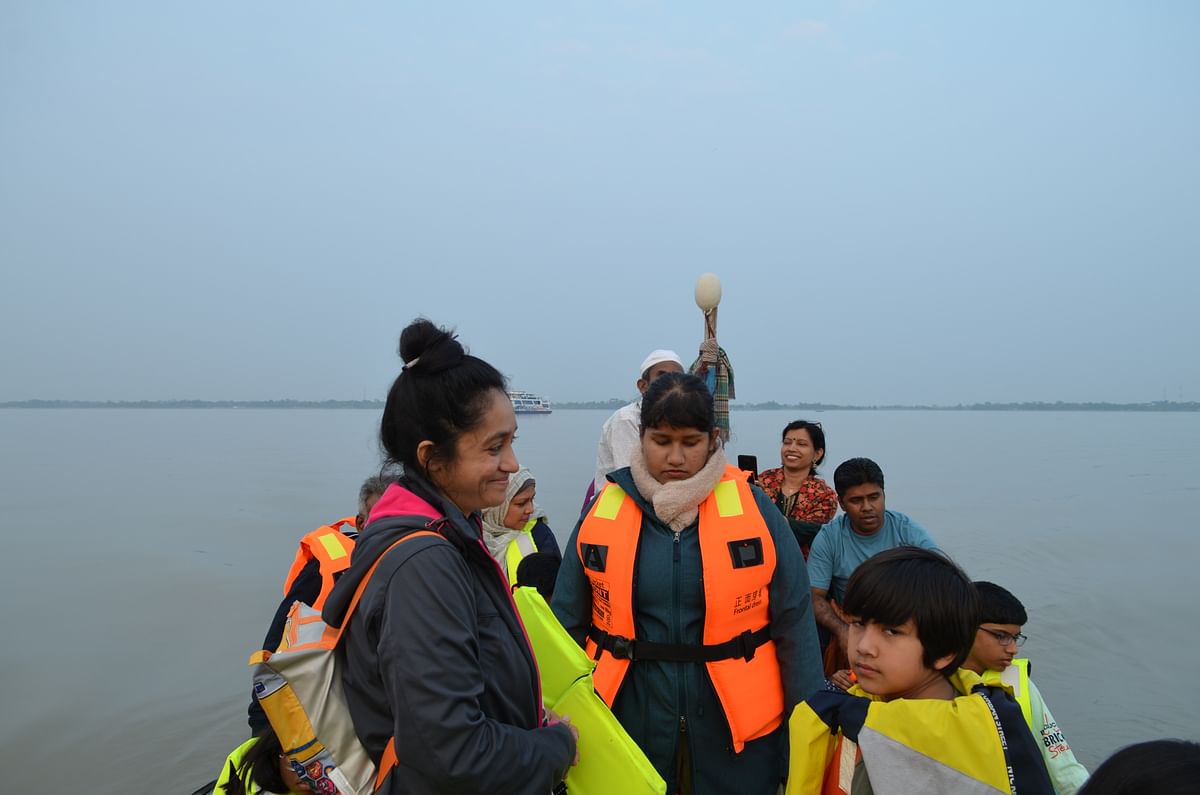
(658, 357)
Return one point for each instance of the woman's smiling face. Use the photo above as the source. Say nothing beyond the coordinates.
(477, 478)
(797, 453)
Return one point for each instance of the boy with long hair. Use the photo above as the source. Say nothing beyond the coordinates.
(915, 722)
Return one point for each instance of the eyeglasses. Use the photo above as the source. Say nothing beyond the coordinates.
(1004, 639)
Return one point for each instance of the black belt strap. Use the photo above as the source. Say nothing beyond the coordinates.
(740, 647)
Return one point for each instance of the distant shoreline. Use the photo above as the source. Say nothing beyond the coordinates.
(612, 404)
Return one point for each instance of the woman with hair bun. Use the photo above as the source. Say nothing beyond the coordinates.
(688, 588)
(439, 677)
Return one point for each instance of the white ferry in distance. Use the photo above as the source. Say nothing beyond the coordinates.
(529, 403)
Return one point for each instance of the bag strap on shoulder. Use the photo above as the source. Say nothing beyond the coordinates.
(362, 586)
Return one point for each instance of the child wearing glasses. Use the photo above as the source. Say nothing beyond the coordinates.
(915, 721)
(994, 656)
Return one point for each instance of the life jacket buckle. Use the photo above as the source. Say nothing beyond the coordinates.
(747, 644)
(622, 647)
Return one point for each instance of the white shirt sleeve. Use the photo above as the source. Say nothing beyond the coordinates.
(1066, 773)
(619, 441)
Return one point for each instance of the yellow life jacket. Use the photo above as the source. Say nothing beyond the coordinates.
(1014, 678)
(738, 559)
(560, 660)
(518, 548)
(230, 771)
(974, 744)
(609, 759)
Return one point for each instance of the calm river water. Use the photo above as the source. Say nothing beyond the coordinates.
(147, 549)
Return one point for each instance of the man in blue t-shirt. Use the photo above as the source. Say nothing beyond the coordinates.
(864, 529)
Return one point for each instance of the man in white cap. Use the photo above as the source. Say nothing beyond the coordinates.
(622, 431)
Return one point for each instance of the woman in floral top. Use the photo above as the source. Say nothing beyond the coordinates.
(805, 499)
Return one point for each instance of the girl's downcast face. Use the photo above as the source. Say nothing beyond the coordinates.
(676, 453)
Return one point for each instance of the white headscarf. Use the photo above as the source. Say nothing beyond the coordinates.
(495, 534)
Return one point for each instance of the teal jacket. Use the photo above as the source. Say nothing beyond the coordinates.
(669, 608)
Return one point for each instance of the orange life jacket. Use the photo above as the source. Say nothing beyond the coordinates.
(738, 562)
(839, 775)
(331, 548)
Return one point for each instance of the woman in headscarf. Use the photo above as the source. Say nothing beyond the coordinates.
(517, 528)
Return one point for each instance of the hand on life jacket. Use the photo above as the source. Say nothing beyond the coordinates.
(553, 718)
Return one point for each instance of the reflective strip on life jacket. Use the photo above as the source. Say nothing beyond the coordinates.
(738, 561)
(517, 549)
(331, 548)
(839, 776)
(1015, 676)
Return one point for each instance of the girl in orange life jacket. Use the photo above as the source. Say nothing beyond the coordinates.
(438, 672)
(688, 588)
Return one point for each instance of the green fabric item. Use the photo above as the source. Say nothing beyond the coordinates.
(722, 386)
(232, 763)
(805, 531)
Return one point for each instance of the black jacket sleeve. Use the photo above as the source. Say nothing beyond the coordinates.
(544, 538)
(434, 676)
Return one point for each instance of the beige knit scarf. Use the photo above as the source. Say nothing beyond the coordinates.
(677, 502)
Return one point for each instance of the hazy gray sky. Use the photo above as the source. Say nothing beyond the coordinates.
(906, 202)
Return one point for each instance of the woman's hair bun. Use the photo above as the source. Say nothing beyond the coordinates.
(439, 395)
(427, 348)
